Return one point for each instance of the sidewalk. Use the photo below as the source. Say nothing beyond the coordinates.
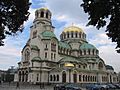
(6, 86)
(12, 86)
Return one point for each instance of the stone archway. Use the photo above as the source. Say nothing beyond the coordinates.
(63, 76)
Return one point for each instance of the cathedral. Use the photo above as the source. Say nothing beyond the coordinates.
(72, 59)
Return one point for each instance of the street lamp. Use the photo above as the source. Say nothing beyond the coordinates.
(69, 66)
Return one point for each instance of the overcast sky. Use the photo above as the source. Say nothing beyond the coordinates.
(64, 13)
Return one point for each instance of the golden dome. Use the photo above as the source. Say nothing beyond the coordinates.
(43, 8)
(73, 29)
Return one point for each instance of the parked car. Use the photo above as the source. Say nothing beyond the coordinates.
(69, 86)
(73, 86)
(117, 86)
(97, 87)
(59, 87)
(111, 86)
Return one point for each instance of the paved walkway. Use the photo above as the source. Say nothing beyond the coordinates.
(12, 86)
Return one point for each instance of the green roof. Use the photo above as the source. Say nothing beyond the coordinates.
(87, 46)
(68, 59)
(34, 47)
(48, 34)
(64, 45)
(36, 59)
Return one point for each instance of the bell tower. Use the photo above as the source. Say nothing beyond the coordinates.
(43, 15)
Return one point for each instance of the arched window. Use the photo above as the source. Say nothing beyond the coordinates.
(89, 51)
(34, 34)
(100, 66)
(37, 77)
(57, 77)
(23, 76)
(67, 34)
(83, 77)
(84, 52)
(80, 52)
(47, 15)
(54, 78)
(76, 34)
(20, 76)
(79, 77)
(42, 14)
(27, 54)
(50, 77)
(96, 52)
(79, 35)
(86, 78)
(71, 34)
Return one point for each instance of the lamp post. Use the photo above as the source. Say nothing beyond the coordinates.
(69, 66)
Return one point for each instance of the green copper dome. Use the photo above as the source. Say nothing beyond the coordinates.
(87, 46)
(48, 34)
(64, 45)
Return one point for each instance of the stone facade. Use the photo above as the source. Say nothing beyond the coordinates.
(45, 59)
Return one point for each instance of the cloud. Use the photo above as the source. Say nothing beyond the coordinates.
(110, 56)
(9, 56)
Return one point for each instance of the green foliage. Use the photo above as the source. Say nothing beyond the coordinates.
(98, 11)
(13, 13)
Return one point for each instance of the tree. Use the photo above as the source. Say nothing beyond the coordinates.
(13, 13)
(100, 11)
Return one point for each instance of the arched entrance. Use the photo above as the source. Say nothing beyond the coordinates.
(75, 77)
(63, 76)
